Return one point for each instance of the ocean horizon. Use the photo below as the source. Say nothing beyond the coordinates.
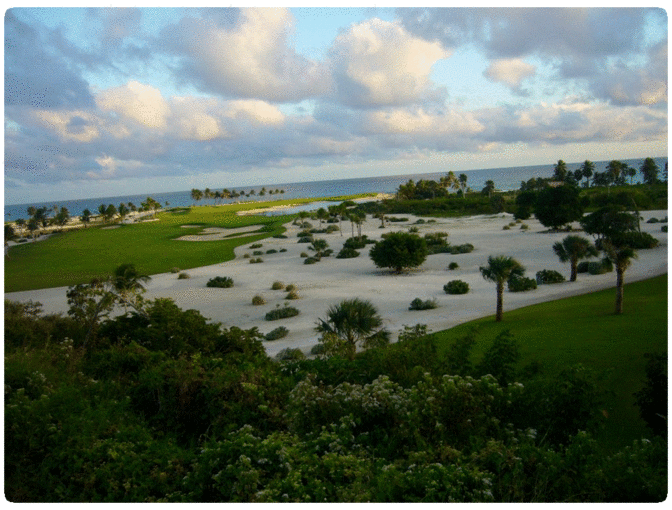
(505, 179)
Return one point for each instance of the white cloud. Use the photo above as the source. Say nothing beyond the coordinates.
(419, 122)
(70, 126)
(378, 63)
(511, 72)
(257, 111)
(139, 102)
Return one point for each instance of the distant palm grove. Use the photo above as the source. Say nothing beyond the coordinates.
(159, 404)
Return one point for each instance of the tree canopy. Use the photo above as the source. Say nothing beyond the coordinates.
(399, 251)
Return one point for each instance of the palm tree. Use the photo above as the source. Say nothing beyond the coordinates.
(572, 249)
(127, 281)
(196, 194)
(499, 270)
(621, 256)
(349, 323)
(587, 169)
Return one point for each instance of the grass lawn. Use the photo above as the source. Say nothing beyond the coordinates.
(584, 330)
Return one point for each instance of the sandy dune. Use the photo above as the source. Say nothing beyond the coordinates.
(331, 280)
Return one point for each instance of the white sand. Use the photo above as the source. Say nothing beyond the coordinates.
(329, 281)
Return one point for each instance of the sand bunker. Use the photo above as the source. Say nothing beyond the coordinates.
(217, 233)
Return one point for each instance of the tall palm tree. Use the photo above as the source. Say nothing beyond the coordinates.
(572, 249)
(499, 270)
(621, 256)
(128, 281)
(349, 323)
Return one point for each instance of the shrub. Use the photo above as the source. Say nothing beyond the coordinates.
(257, 245)
(506, 227)
(653, 220)
(303, 255)
(290, 354)
(175, 270)
(663, 228)
(256, 261)
(290, 288)
(317, 349)
(524, 226)
(280, 236)
(347, 253)
(460, 248)
(453, 265)
(277, 333)
(282, 313)
(637, 240)
(257, 252)
(547, 276)
(399, 251)
(246, 256)
(356, 243)
(221, 282)
(183, 276)
(596, 267)
(277, 285)
(283, 250)
(413, 230)
(268, 252)
(258, 300)
(456, 287)
(292, 294)
(521, 284)
(305, 239)
(310, 260)
(419, 304)
(331, 229)
(395, 219)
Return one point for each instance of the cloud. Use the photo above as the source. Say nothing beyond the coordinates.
(378, 63)
(417, 121)
(75, 125)
(510, 72)
(35, 76)
(141, 103)
(245, 57)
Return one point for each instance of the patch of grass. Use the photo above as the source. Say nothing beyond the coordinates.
(583, 329)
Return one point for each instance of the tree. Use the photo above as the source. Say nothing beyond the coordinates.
(621, 256)
(128, 283)
(489, 188)
(319, 246)
(609, 222)
(557, 206)
(89, 304)
(587, 169)
(399, 250)
(123, 210)
(62, 216)
(616, 170)
(631, 172)
(572, 249)
(86, 217)
(463, 184)
(499, 270)
(196, 194)
(649, 171)
(110, 212)
(560, 171)
(350, 323)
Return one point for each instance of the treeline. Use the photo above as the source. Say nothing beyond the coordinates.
(159, 404)
(217, 196)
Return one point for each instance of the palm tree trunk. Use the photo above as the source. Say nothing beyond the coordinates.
(572, 276)
(500, 301)
(619, 290)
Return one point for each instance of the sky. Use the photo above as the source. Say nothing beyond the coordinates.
(113, 101)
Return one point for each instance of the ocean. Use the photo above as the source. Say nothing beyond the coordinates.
(505, 179)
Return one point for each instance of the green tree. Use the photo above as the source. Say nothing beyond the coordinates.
(123, 210)
(587, 170)
(196, 195)
(560, 171)
(351, 323)
(399, 250)
(110, 212)
(499, 269)
(129, 283)
(649, 171)
(463, 184)
(489, 188)
(557, 206)
(319, 246)
(86, 217)
(89, 304)
(572, 249)
(621, 256)
(62, 217)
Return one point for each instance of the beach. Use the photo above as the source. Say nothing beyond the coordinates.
(331, 280)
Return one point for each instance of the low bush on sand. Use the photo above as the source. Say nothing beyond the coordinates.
(347, 253)
(290, 354)
(453, 265)
(521, 284)
(277, 285)
(258, 300)
(282, 313)
(456, 287)
(547, 276)
(419, 304)
(183, 276)
(277, 333)
(221, 282)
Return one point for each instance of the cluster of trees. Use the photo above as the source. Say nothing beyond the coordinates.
(39, 217)
(207, 194)
(424, 189)
(157, 404)
(616, 173)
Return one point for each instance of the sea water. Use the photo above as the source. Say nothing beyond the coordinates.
(505, 179)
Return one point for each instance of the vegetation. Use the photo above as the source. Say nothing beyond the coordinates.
(520, 283)
(456, 287)
(572, 249)
(548, 276)
(399, 251)
(499, 270)
(277, 333)
(258, 300)
(281, 313)
(427, 304)
(222, 282)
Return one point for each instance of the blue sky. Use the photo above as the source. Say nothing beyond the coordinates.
(103, 102)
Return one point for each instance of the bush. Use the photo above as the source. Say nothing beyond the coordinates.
(246, 256)
(524, 226)
(256, 261)
(290, 288)
(282, 313)
(347, 253)
(596, 267)
(456, 287)
(277, 333)
(521, 284)
(548, 276)
(253, 246)
(394, 219)
(183, 276)
(303, 255)
(653, 220)
(399, 251)
(460, 248)
(419, 304)
(290, 354)
(663, 228)
(269, 252)
(506, 227)
(453, 265)
(283, 250)
(310, 260)
(292, 294)
(221, 282)
(258, 300)
(305, 239)
(277, 285)
(356, 243)
(637, 240)
(257, 252)
(317, 349)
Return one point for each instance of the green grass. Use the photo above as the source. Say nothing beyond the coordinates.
(584, 329)
(78, 256)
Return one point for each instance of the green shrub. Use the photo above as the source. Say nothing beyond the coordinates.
(257, 252)
(653, 220)
(290, 288)
(283, 250)
(303, 255)
(637, 240)
(317, 349)
(305, 239)
(282, 313)
(290, 354)
(506, 227)
(413, 230)
(277, 285)
(456, 287)
(663, 228)
(596, 267)
(277, 333)
(524, 226)
(310, 260)
(453, 265)
(256, 261)
(394, 219)
(258, 300)
(280, 236)
(269, 252)
(292, 294)
(356, 243)
(419, 304)
(257, 245)
(246, 256)
(547, 276)
(521, 284)
(331, 229)
(183, 276)
(222, 282)
(347, 253)
(460, 248)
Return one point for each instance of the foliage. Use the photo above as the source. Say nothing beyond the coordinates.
(521, 283)
(183, 276)
(652, 398)
(277, 285)
(399, 251)
(419, 304)
(347, 253)
(277, 333)
(292, 294)
(282, 313)
(453, 265)
(500, 269)
(572, 249)
(290, 354)
(500, 359)
(357, 243)
(258, 300)
(557, 206)
(548, 276)
(223, 282)
(456, 287)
